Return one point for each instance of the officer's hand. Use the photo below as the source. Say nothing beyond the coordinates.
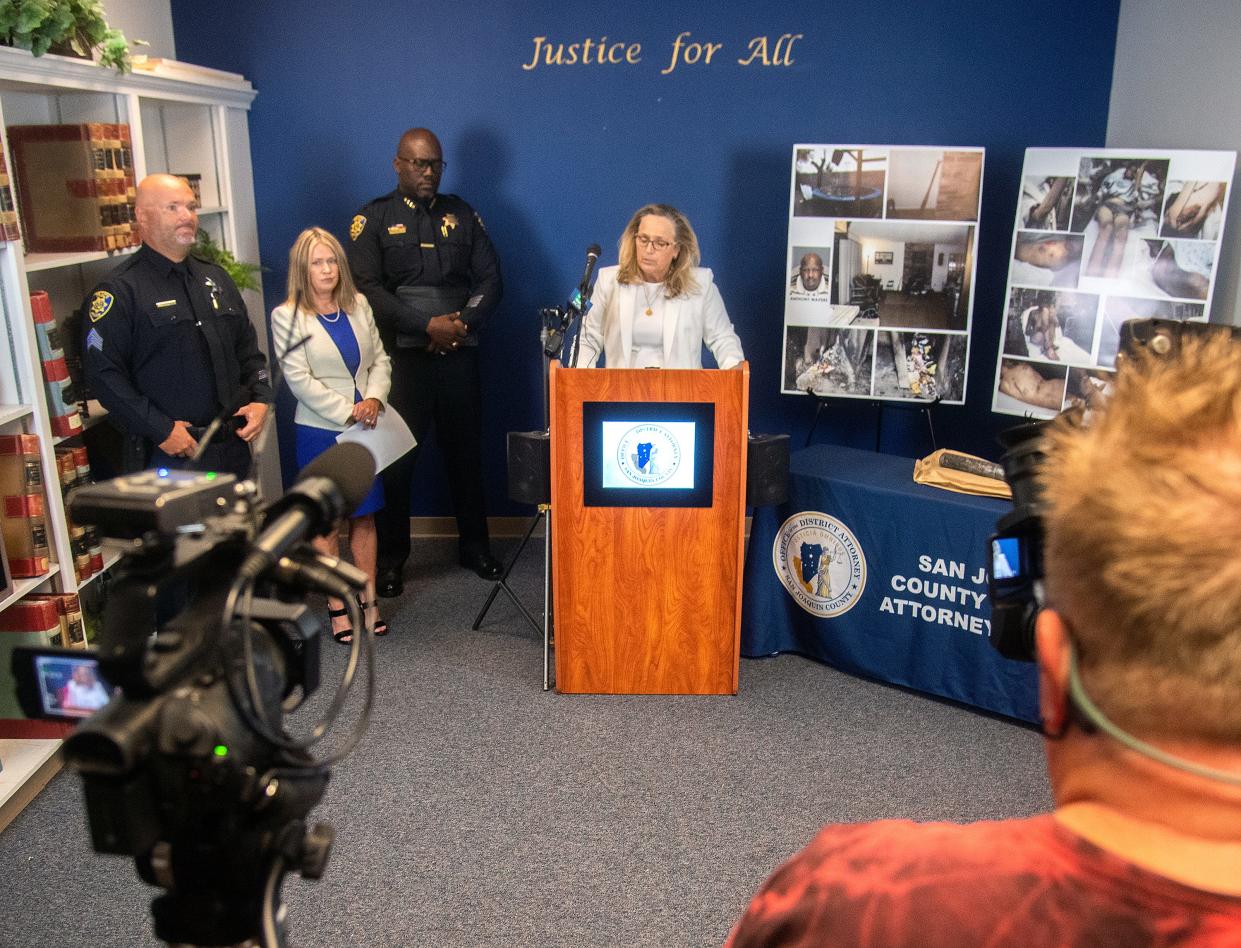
(366, 412)
(446, 331)
(179, 444)
(255, 415)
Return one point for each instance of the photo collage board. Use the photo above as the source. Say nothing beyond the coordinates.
(878, 292)
(1102, 236)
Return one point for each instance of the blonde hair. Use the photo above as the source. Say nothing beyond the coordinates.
(300, 294)
(680, 279)
(1143, 542)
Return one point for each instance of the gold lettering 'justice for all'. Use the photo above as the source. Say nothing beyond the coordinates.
(760, 51)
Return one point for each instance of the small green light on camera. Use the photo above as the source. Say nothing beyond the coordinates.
(220, 750)
(210, 475)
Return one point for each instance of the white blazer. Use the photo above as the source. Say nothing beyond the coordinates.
(316, 372)
(689, 321)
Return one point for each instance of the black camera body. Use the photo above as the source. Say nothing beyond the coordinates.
(208, 643)
(1016, 548)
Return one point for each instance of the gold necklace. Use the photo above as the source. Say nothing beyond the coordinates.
(651, 298)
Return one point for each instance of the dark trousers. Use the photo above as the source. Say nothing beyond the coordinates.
(444, 391)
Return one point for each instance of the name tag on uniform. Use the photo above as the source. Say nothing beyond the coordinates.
(427, 246)
(396, 229)
(164, 304)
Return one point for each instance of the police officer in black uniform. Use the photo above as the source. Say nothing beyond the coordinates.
(429, 270)
(168, 345)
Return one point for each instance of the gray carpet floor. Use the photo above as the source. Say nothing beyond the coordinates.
(481, 810)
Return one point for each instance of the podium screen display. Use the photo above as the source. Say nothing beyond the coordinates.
(648, 454)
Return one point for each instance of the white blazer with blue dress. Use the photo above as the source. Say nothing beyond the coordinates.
(319, 379)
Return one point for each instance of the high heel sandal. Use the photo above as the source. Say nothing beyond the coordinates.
(381, 627)
(344, 636)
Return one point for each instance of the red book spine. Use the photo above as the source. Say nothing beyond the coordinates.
(28, 729)
(55, 370)
(64, 426)
(30, 615)
(27, 444)
(23, 505)
(41, 307)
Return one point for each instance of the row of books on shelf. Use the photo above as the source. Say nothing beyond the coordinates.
(75, 187)
(51, 620)
(9, 230)
(54, 620)
(26, 550)
(73, 470)
(62, 392)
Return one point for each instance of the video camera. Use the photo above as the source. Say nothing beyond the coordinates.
(189, 768)
(1016, 548)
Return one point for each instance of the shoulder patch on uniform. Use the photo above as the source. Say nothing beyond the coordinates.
(355, 227)
(100, 303)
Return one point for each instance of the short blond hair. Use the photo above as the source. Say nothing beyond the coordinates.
(1143, 542)
(680, 278)
(299, 291)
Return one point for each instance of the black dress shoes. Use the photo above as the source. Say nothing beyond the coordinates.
(484, 564)
(388, 583)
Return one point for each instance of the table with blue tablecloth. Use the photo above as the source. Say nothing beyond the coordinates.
(879, 576)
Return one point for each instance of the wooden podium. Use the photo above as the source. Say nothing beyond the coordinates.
(647, 598)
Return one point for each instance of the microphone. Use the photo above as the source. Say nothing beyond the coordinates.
(216, 424)
(319, 573)
(328, 488)
(581, 298)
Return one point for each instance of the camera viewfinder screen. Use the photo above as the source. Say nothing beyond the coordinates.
(71, 687)
(1006, 558)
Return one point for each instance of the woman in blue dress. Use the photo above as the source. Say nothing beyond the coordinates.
(329, 350)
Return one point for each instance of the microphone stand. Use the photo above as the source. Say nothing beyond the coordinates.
(556, 322)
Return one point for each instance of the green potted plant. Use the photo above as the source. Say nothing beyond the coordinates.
(70, 27)
(244, 275)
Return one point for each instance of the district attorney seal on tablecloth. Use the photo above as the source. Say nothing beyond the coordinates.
(820, 563)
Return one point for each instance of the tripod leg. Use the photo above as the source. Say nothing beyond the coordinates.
(502, 582)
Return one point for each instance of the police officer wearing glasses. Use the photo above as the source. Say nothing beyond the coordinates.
(425, 263)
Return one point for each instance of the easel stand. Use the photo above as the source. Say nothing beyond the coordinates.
(819, 403)
(923, 407)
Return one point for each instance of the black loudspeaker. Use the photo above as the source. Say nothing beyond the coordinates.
(530, 465)
(767, 470)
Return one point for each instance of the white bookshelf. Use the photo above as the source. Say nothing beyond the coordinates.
(183, 120)
(27, 767)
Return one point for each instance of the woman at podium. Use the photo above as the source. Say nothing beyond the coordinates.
(658, 307)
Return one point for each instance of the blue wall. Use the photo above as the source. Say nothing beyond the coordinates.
(559, 156)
